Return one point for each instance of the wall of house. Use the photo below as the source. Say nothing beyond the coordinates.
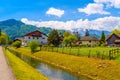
(111, 40)
(92, 43)
(41, 40)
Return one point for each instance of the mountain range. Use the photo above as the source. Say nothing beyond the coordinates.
(15, 28)
(92, 32)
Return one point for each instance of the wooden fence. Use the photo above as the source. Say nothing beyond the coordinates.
(113, 53)
(102, 54)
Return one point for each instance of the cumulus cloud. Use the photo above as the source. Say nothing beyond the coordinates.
(106, 23)
(98, 6)
(114, 3)
(93, 8)
(55, 12)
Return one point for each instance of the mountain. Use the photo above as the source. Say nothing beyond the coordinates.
(15, 28)
(11, 22)
(95, 33)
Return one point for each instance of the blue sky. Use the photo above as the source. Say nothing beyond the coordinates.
(66, 13)
(36, 9)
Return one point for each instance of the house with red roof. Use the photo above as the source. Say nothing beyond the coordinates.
(35, 35)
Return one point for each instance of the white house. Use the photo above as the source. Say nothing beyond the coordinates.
(35, 35)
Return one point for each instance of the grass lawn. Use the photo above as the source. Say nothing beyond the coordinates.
(22, 70)
(99, 52)
(94, 68)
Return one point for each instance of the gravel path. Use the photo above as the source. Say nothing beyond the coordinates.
(5, 69)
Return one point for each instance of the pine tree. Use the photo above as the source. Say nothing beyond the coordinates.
(102, 38)
(87, 33)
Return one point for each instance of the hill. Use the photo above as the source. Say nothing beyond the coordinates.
(15, 28)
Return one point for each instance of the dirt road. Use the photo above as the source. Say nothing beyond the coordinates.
(5, 70)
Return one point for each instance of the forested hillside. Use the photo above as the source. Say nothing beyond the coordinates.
(16, 28)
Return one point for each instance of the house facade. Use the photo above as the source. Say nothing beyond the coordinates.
(113, 40)
(89, 40)
(35, 35)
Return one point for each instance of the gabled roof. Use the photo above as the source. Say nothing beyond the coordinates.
(88, 38)
(35, 33)
(109, 36)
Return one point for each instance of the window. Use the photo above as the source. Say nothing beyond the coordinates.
(43, 38)
(28, 37)
(89, 41)
(37, 37)
(41, 42)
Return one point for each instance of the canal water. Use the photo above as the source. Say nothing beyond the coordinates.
(51, 72)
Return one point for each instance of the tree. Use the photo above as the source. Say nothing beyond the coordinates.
(66, 34)
(9, 41)
(54, 38)
(66, 41)
(17, 44)
(102, 38)
(0, 32)
(33, 45)
(3, 38)
(87, 33)
(69, 39)
(116, 31)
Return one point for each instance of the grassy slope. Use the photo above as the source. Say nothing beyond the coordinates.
(22, 70)
(94, 68)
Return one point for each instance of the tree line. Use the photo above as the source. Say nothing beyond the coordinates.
(58, 39)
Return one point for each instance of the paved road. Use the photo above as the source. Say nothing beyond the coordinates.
(5, 70)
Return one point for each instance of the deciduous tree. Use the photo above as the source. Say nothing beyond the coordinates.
(17, 44)
(69, 39)
(54, 38)
(116, 31)
(33, 45)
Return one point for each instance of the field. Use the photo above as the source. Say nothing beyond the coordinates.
(22, 70)
(96, 52)
(94, 68)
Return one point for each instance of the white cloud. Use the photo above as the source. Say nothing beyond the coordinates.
(114, 3)
(55, 12)
(106, 23)
(93, 9)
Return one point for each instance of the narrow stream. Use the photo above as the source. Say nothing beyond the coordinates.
(51, 72)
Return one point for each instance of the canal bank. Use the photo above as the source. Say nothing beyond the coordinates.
(90, 67)
(52, 72)
(69, 70)
(22, 70)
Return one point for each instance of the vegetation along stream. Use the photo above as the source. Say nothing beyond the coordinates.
(51, 72)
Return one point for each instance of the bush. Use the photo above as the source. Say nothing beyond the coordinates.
(75, 45)
(17, 44)
(33, 45)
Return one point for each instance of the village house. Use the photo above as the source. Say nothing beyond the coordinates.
(113, 40)
(35, 35)
(89, 40)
